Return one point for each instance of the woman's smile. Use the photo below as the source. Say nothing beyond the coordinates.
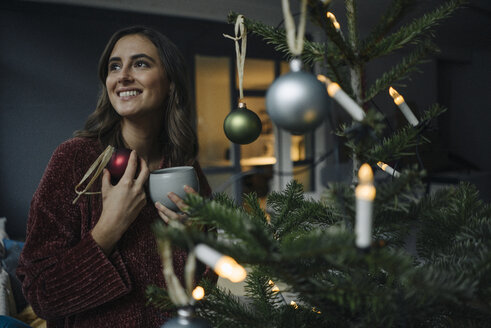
(129, 94)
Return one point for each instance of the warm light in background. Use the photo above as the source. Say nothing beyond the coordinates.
(198, 293)
(227, 267)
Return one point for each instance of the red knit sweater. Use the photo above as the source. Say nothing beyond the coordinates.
(65, 275)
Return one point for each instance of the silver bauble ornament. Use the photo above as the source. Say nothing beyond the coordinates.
(185, 318)
(297, 101)
(242, 126)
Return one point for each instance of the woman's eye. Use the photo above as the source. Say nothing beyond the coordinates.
(141, 63)
(114, 66)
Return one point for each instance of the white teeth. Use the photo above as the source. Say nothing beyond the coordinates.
(129, 93)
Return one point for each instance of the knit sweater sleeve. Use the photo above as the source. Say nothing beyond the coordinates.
(62, 271)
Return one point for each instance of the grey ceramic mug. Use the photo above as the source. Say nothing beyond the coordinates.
(163, 181)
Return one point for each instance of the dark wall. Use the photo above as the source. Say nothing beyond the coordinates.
(49, 84)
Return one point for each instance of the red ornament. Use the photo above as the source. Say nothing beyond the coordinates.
(117, 164)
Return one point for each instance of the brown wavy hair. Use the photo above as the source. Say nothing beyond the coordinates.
(178, 138)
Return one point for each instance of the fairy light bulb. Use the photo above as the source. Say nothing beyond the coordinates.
(295, 306)
(335, 92)
(223, 265)
(227, 267)
(365, 194)
(401, 103)
(333, 20)
(198, 293)
(388, 169)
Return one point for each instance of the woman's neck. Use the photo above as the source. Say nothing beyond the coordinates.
(144, 140)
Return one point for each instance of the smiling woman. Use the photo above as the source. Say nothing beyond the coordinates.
(137, 83)
(88, 263)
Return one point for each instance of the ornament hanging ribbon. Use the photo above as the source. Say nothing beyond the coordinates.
(240, 50)
(179, 295)
(295, 42)
(98, 165)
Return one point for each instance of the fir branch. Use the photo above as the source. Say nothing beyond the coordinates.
(395, 11)
(395, 198)
(448, 211)
(402, 70)
(284, 206)
(351, 16)
(264, 300)
(253, 207)
(234, 221)
(223, 309)
(411, 32)
(338, 48)
(312, 51)
(399, 143)
(395, 146)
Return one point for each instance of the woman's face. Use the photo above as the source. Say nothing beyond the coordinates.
(136, 82)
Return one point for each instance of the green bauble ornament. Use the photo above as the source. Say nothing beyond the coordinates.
(242, 126)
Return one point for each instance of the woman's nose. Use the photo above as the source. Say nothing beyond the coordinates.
(125, 76)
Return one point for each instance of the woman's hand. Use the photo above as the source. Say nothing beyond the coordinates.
(121, 203)
(167, 214)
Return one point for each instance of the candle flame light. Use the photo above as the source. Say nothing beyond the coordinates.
(365, 174)
(295, 306)
(386, 168)
(223, 265)
(198, 293)
(398, 99)
(333, 20)
(406, 111)
(335, 92)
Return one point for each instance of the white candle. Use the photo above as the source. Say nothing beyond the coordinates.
(335, 91)
(399, 101)
(388, 169)
(365, 194)
(223, 265)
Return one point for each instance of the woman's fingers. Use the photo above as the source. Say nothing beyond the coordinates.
(167, 214)
(178, 201)
(130, 171)
(144, 173)
(106, 181)
(189, 190)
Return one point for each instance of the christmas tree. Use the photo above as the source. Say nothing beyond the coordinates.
(330, 274)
